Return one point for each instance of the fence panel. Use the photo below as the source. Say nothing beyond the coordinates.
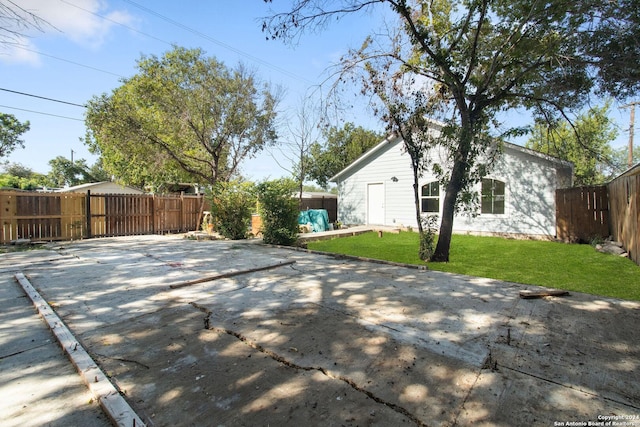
(192, 208)
(126, 215)
(624, 196)
(55, 216)
(168, 212)
(66, 216)
(582, 213)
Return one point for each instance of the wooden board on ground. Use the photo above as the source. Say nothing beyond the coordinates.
(528, 294)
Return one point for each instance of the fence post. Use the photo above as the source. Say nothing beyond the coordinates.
(182, 212)
(153, 214)
(88, 213)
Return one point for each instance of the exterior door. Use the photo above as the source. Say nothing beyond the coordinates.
(375, 204)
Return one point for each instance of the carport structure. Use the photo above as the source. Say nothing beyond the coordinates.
(283, 337)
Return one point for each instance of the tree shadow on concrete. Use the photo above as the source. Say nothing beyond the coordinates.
(326, 341)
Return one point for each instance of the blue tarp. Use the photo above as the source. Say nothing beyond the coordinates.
(318, 218)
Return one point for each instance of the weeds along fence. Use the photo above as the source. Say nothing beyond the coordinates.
(68, 216)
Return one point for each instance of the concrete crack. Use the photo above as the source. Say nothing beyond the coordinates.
(569, 386)
(23, 351)
(278, 358)
(120, 359)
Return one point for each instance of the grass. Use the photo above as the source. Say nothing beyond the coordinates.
(557, 265)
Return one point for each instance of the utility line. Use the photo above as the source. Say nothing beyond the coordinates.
(116, 22)
(40, 112)
(19, 46)
(191, 30)
(43, 97)
(218, 42)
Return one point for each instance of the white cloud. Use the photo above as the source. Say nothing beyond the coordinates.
(22, 52)
(76, 20)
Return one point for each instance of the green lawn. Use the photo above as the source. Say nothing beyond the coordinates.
(572, 267)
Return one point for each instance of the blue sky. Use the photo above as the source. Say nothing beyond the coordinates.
(87, 53)
(95, 43)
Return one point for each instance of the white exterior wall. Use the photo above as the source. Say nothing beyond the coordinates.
(530, 184)
(380, 168)
(530, 207)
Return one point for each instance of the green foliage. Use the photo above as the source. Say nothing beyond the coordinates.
(231, 206)
(341, 147)
(611, 44)
(585, 144)
(65, 172)
(10, 131)
(427, 236)
(572, 267)
(486, 57)
(620, 160)
(21, 177)
(183, 118)
(279, 211)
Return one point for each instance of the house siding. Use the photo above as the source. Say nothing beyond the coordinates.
(530, 184)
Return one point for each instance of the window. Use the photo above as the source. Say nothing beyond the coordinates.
(492, 196)
(431, 197)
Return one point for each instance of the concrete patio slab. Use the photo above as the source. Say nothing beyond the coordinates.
(38, 385)
(325, 341)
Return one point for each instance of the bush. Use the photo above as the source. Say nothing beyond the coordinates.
(428, 237)
(231, 206)
(279, 212)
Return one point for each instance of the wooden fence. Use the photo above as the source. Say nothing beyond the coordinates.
(68, 216)
(582, 213)
(624, 200)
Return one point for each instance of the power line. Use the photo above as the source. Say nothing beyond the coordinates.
(19, 46)
(40, 112)
(184, 27)
(218, 42)
(117, 23)
(43, 97)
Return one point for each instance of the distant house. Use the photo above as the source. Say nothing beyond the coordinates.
(517, 195)
(104, 187)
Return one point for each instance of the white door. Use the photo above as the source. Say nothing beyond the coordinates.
(375, 204)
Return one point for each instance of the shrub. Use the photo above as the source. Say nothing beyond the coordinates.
(428, 237)
(231, 206)
(279, 212)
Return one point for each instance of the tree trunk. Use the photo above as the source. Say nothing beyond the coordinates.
(416, 197)
(456, 182)
(441, 253)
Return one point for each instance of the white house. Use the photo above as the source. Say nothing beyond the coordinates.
(517, 195)
(104, 187)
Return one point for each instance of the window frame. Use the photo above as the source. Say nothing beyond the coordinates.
(495, 199)
(430, 197)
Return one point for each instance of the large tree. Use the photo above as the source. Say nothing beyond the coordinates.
(67, 172)
(484, 57)
(16, 175)
(341, 146)
(183, 117)
(585, 143)
(10, 131)
(303, 132)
